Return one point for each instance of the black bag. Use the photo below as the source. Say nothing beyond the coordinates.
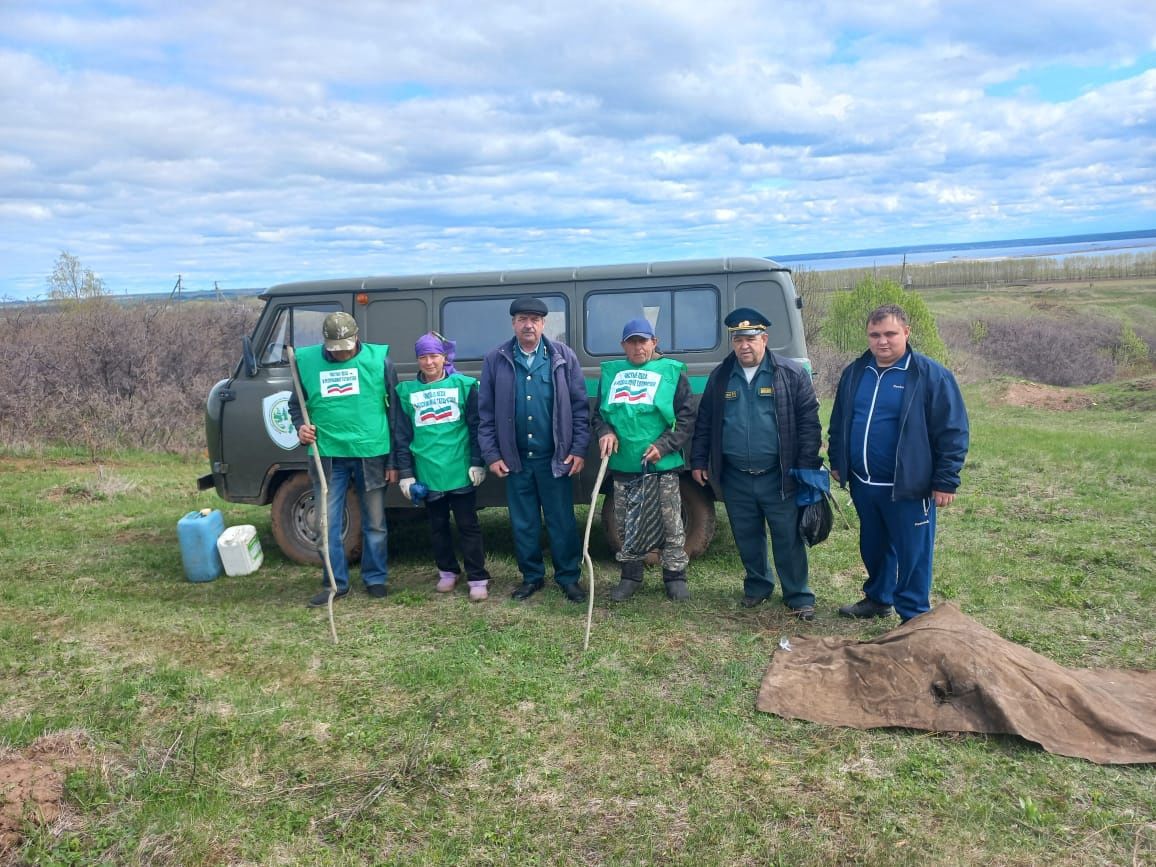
(815, 521)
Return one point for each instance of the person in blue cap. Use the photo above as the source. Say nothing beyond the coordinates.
(643, 418)
(533, 430)
(759, 419)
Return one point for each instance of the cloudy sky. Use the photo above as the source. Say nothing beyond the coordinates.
(250, 142)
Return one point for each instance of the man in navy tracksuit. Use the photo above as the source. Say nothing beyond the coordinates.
(899, 436)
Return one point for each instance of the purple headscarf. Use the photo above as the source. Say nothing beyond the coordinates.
(434, 344)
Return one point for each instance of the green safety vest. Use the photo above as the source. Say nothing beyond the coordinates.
(441, 436)
(638, 402)
(348, 401)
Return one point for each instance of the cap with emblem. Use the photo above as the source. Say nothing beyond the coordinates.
(637, 328)
(746, 322)
(339, 330)
(525, 304)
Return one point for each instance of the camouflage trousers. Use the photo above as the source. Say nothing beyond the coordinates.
(648, 512)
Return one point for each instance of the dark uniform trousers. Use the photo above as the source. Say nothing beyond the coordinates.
(754, 504)
(752, 483)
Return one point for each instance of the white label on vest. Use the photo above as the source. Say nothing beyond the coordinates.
(435, 406)
(634, 386)
(340, 383)
(278, 424)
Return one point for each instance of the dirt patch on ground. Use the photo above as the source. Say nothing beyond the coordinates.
(1033, 395)
(32, 782)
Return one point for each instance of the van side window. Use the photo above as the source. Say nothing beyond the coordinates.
(480, 324)
(685, 319)
(296, 326)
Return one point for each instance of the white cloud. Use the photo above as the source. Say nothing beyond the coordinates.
(249, 143)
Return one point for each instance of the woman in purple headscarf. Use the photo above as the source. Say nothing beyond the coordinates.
(437, 443)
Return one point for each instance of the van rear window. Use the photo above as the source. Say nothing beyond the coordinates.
(684, 319)
(480, 324)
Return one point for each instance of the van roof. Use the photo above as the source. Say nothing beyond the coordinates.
(677, 268)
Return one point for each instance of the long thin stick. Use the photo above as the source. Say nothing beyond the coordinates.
(586, 553)
(323, 506)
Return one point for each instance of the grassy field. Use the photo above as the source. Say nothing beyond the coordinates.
(215, 723)
(1131, 300)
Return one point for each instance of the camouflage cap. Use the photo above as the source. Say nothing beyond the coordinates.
(340, 332)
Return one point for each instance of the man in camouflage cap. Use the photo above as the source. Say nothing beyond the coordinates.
(350, 391)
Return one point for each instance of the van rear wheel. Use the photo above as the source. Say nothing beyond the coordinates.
(698, 520)
(294, 522)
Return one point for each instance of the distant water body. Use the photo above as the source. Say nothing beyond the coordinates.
(1143, 240)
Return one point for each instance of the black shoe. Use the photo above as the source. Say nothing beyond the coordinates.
(753, 601)
(573, 592)
(865, 609)
(377, 591)
(526, 589)
(803, 612)
(322, 598)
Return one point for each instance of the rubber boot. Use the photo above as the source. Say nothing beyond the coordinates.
(629, 582)
(676, 590)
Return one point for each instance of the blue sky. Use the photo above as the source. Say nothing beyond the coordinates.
(252, 143)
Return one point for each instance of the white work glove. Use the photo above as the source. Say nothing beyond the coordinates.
(404, 485)
(477, 475)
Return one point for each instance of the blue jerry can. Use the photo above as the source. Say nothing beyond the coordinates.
(198, 533)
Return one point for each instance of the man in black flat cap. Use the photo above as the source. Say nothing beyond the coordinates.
(533, 431)
(758, 420)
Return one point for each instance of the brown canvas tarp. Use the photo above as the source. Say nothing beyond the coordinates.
(942, 671)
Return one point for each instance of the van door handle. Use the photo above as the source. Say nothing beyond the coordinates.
(226, 394)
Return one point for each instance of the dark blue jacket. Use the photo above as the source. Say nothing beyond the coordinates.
(497, 436)
(933, 429)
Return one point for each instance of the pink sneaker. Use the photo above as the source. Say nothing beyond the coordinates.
(446, 581)
(479, 591)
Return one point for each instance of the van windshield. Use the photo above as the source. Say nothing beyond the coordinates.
(296, 326)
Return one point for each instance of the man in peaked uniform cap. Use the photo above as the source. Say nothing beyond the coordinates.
(758, 420)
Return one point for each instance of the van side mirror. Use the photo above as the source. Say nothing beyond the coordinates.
(248, 356)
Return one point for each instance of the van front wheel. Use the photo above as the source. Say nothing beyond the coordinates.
(698, 520)
(294, 522)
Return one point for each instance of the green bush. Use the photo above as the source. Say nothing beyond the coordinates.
(1130, 349)
(977, 331)
(845, 327)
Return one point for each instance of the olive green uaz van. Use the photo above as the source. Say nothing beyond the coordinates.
(253, 446)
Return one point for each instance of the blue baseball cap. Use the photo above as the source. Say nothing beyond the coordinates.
(637, 328)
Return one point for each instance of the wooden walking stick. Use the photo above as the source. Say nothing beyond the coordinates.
(586, 552)
(323, 506)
